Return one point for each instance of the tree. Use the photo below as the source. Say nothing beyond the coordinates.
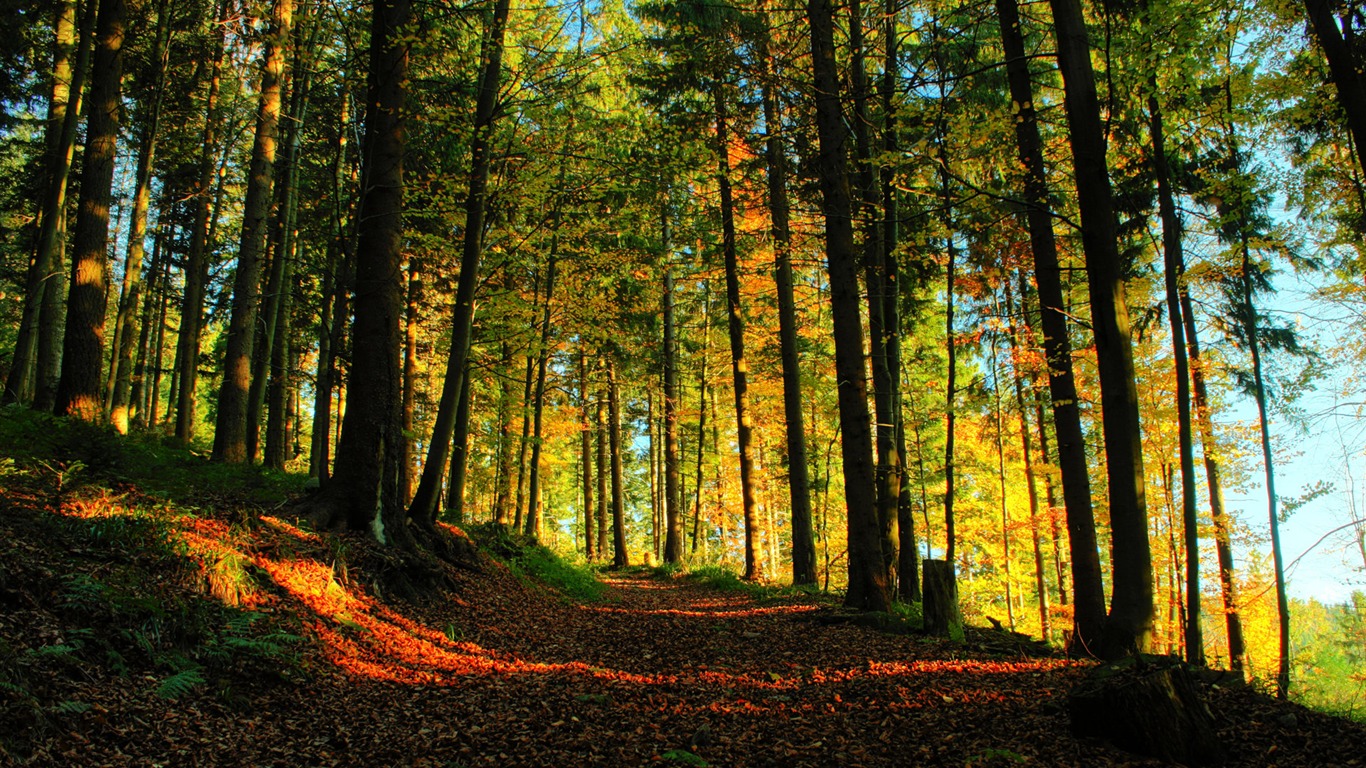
(230, 428)
(78, 391)
(1131, 604)
(868, 588)
(364, 493)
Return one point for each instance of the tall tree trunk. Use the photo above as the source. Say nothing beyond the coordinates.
(364, 492)
(701, 411)
(1027, 450)
(1228, 582)
(230, 428)
(908, 554)
(411, 308)
(868, 208)
(139, 392)
(1089, 602)
(799, 485)
(673, 495)
(604, 470)
(45, 278)
(1172, 261)
(1001, 481)
(425, 500)
(196, 264)
(125, 328)
(78, 391)
(460, 456)
(525, 443)
(868, 588)
(619, 557)
(536, 479)
(502, 503)
(1129, 624)
(282, 284)
(754, 565)
(586, 453)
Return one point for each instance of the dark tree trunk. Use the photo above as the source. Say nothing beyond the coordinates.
(586, 454)
(799, 486)
(125, 323)
(1089, 603)
(942, 618)
(78, 391)
(701, 411)
(1344, 67)
(1228, 582)
(230, 429)
(196, 264)
(1173, 258)
(413, 301)
(460, 456)
(533, 519)
(620, 559)
(604, 470)
(1129, 624)
(502, 503)
(425, 500)
(868, 588)
(673, 500)
(45, 277)
(754, 565)
(364, 491)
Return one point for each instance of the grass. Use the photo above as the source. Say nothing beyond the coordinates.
(539, 565)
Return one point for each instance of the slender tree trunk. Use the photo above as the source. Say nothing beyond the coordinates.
(230, 430)
(365, 489)
(413, 300)
(196, 264)
(868, 588)
(460, 456)
(125, 328)
(673, 493)
(868, 208)
(754, 565)
(701, 411)
(533, 520)
(1172, 261)
(524, 444)
(619, 556)
(1228, 582)
(799, 485)
(139, 392)
(45, 278)
(1001, 481)
(78, 391)
(604, 470)
(1031, 484)
(425, 499)
(1129, 624)
(951, 381)
(503, 501)
(586, 452)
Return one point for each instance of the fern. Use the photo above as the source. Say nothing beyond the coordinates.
(180, 683)
(69, 708)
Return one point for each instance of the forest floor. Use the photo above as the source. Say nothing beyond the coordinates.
(210, 630)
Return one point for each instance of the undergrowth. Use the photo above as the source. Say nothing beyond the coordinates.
(539, 565)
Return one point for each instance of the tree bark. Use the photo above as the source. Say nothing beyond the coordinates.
(196, 264)
(230, 428)
(586, 454)
(1129, 624)
(45, 279)
(78, 391)
(673, 501)
(426, 498)
(754, 565)
(364, 491)
(1089, 602)
(533, 520)
(1343, 66)
(620, 559)
(868, 588)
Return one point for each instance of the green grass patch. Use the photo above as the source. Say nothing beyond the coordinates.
(537, 564)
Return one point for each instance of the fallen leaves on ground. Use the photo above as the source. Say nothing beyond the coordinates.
(496, 672)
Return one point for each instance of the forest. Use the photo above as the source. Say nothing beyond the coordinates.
(954, 314)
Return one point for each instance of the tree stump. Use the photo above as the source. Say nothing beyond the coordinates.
(941, 600)
(1149, 710)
